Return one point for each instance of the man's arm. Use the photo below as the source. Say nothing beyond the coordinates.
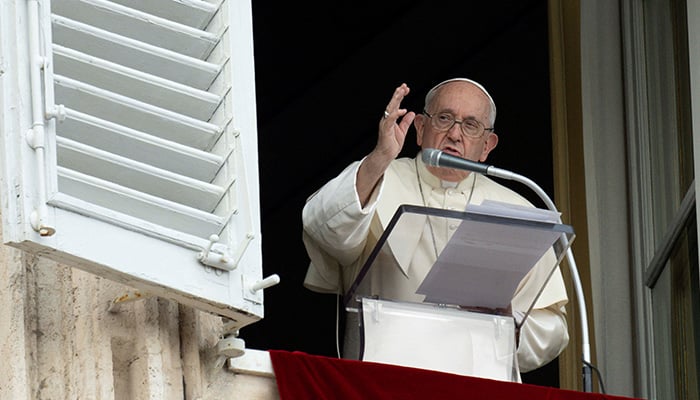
(334, 219)
(390, 140)
(337, 216)
(543, 336)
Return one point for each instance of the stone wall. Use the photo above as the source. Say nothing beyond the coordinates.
(64, 337)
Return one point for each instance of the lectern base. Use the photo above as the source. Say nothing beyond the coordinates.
(439, 338)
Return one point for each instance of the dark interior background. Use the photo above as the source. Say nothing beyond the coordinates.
(324, 73)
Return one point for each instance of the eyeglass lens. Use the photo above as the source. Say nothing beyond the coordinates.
(445, 121)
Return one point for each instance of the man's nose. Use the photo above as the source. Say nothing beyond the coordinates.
(455, 131)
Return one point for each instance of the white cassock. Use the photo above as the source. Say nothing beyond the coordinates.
(339, 235)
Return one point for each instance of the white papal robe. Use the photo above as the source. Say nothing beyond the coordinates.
(339, 235)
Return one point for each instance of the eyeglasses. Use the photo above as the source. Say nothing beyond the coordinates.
(445, 121)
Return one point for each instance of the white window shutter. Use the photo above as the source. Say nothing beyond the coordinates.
(130, 145)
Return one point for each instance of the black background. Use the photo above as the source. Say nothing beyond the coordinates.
(324, 74)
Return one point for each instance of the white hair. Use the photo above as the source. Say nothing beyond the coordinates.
(431, 94)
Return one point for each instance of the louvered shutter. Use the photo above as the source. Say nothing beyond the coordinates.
(130, 149)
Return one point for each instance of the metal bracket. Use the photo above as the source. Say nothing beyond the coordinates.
(250, 290)
(221, 259)
(58, 112)
(38, 224)
(265, 283)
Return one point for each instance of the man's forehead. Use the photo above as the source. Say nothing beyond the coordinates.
(432, 91)
(466, 103)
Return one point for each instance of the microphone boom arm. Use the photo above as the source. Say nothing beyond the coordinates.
(505, 174)
(437, 158)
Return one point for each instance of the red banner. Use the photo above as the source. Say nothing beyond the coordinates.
(303, 376)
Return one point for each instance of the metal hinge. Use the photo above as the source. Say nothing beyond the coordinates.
(220, 259)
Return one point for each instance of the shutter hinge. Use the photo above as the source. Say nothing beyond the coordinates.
(220, 259)
(58, 112)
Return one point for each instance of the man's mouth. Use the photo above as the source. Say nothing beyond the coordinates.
(451, 151)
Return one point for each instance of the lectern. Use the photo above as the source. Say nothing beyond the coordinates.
(458, 318)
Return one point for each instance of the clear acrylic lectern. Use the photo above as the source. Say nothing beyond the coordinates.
(458, 319)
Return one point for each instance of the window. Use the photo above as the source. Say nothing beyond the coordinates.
(130, 146)
(664, 201)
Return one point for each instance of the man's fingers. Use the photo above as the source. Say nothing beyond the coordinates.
(406, 120)
(395, 102)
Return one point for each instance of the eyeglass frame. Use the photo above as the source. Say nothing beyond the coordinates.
(461, 126)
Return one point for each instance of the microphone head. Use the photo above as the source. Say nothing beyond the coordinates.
(431, 157)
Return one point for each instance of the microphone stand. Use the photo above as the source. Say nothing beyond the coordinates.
(586, 371)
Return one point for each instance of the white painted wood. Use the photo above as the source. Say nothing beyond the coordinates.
(150, 264)
(150, 158)
(138, 176)
(135, 84)
(112, 198)
(133, 53)
(133, 210)
(241, 75)
(139, 146)
(135, 114)
(138, 25)
(195, 13)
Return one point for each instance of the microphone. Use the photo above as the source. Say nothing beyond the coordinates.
(438, 158)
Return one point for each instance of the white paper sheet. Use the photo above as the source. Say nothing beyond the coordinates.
(483, 262)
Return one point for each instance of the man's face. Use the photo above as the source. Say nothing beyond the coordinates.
(463, 101)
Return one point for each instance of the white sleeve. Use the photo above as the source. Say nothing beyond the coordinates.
(543, 336)
(334, 219)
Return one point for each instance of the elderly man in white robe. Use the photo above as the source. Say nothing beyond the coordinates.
(345, 218)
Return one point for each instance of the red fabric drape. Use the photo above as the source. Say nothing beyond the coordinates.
(303, 376)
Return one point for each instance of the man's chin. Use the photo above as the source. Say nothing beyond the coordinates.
(448, 174)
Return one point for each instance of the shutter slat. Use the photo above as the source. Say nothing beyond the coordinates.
(97, 174)
(194, 13)
(138, 176)
(135, 84)
(133, 53)
(134, 114)
(139, 146)
(138, 25)
(87, 192)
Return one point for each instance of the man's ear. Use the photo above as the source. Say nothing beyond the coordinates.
(419, 124)
(491, 142)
